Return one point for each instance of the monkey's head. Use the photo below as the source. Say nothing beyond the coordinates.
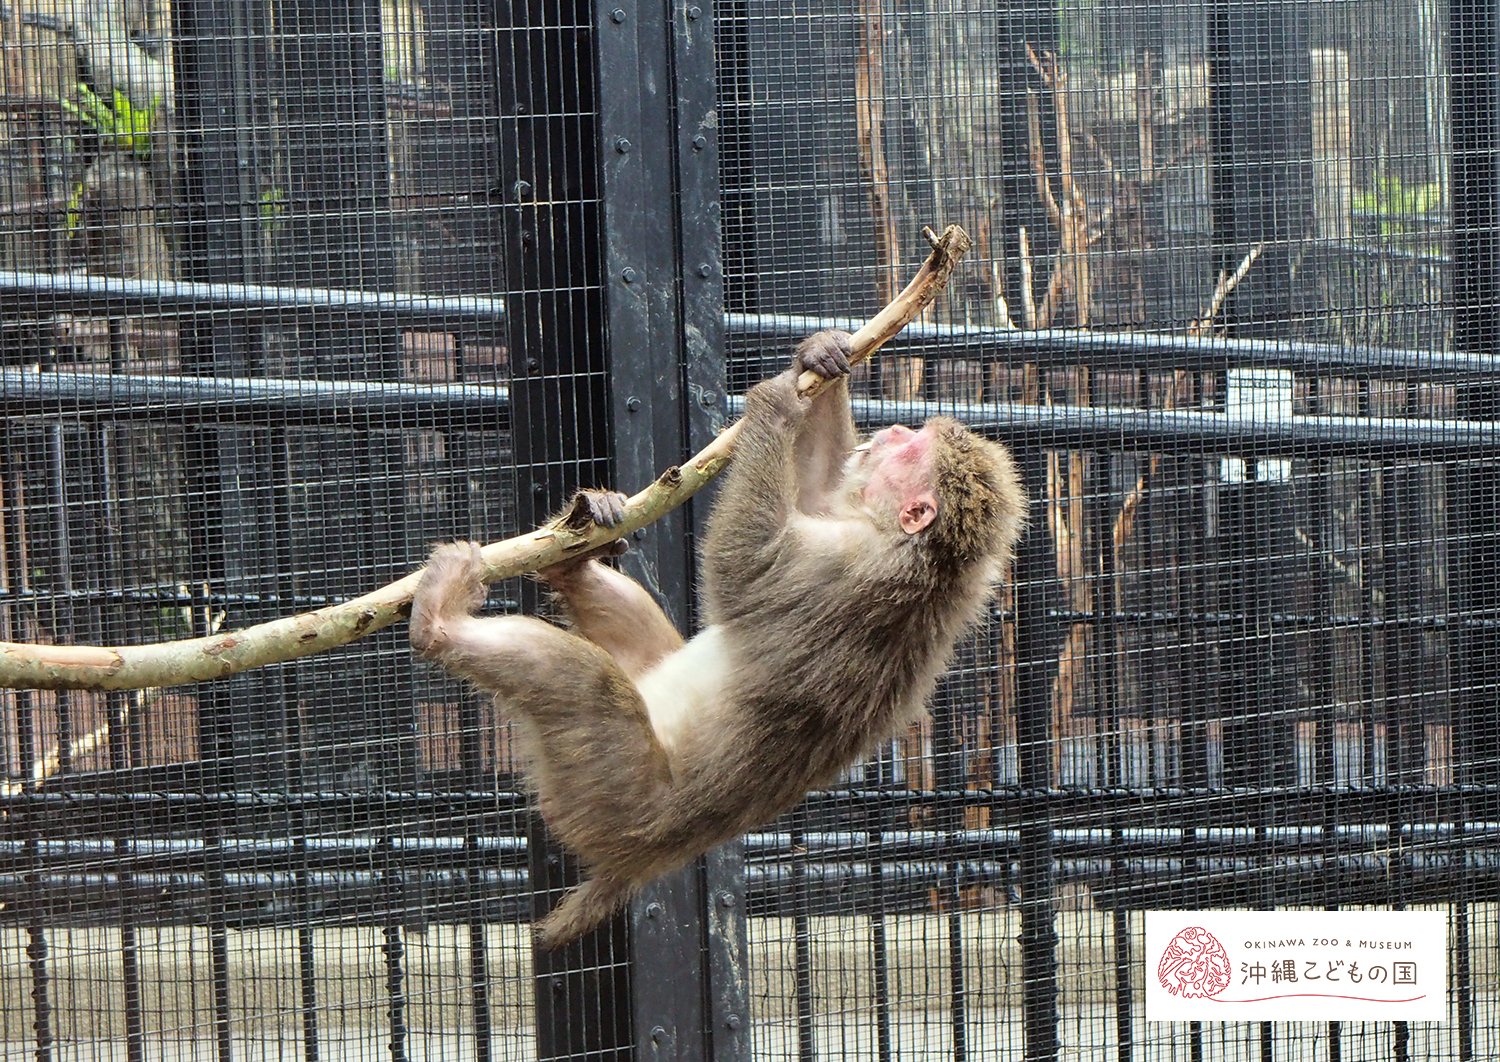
(957, 493)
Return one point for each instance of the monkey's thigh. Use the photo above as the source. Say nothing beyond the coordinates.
(583, 730)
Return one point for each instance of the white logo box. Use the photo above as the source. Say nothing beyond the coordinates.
(1296, 966)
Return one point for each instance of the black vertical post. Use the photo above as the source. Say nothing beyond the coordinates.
(1108, 730)
(802, 971)
(123, 708)
(214, 79)
(1474, 84)
(555, 337)
(1260, 129)
(948, 777)
(15, 579)
(663, 304)
(1474, 557)
(1036, 662)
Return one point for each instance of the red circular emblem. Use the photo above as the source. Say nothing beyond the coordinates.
(1194, 965)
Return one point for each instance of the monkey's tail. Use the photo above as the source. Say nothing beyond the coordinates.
(448, 593)
(587, 907)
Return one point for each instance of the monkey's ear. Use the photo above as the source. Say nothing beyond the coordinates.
(918, 513)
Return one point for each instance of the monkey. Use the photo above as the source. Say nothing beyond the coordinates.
(836, 578)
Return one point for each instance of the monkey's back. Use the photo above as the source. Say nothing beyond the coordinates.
(818, 676)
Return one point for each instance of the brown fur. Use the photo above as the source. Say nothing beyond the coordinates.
(835, 624)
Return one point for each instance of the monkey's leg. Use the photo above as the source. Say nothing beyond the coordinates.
(600, 774)
(582, 727)
(616, 613)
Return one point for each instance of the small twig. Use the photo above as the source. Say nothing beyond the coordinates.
(1222, 290)
(30, 666)
(1028, 297)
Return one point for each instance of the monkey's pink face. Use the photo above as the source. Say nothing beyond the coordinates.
(897, 462)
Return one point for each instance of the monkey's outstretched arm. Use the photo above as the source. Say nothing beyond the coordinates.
(54, 667)
(760, 490)
(824, 443)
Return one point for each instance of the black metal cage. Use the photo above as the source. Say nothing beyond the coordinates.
(291, 289)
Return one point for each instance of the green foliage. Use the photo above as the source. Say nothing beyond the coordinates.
(1395, 200)
(122, 126)
(272, 208)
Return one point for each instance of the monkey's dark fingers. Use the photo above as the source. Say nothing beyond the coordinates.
(825, 353)
(606, 507)
(602, 508)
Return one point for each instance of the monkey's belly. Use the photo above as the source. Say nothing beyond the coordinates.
(684, 687)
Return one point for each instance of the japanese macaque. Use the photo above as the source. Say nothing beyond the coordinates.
(836, 579)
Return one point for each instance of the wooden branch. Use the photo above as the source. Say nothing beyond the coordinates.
(1227, 283)
(1028, 277)
(28, 666)
(869, 96)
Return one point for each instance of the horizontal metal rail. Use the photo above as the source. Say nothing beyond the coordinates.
(23, 293)
(1156, 351)
(268, 854)
(448, 879)
(32, 293)
(30, 391)
(135, 396)
(1113, 808)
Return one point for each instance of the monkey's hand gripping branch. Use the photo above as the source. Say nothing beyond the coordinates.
(27, 666)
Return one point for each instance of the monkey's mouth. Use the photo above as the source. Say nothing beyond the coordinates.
(863, 448)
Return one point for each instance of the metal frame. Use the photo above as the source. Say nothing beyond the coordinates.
(646, 317)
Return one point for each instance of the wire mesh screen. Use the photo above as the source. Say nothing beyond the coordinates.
(259, 335)
(292, 289)
(1229, 303)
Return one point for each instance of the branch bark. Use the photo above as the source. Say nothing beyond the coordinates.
(29, 666)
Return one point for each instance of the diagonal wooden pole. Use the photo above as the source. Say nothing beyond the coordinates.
(54, 667)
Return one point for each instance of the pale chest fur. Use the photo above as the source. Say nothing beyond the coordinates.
(687, 687)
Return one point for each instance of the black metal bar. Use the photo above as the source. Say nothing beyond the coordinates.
(1100, 428)
(1474, 99)
(228, 398)
(1463, 977)
(121, 707)
(393, 951)
(1204, 433)
(828, 888)
(555, 332)
(946, 750)
(1036, 656)
(15, 570)
(880, 954)
(282, 505)
(958, 1016)
(694, 131)
(807, 1044)
(1291, 832)
(22, 293)
(659, 194)
(1110, 807)
(1124, 1031)
(1105, 350)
